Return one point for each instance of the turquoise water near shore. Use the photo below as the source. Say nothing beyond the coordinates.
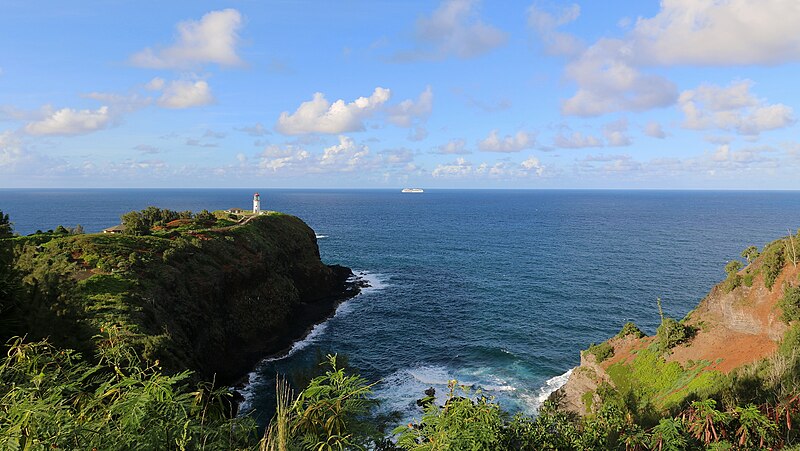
(499, 289)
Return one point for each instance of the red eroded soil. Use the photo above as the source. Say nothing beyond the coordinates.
(733, 329)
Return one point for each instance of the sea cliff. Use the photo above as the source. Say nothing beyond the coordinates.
(739, 343)
(211, 300)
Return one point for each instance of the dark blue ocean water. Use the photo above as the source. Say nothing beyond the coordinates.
(499, 289)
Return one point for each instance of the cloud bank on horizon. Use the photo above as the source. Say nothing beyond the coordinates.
(457, 93)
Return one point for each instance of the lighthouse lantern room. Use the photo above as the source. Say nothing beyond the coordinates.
(256, 204)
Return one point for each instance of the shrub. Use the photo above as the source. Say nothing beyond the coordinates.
(747, 280)
(672, 333)
(460, 424)
(601, 351)
(772, 264)
(630, 329)
(751, 253)
(790, 342)
(55, 399)
(734, 279)
(733, 267)
(732, 282)
(790, 304)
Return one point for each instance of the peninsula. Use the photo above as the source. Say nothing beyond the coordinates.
(201, 292)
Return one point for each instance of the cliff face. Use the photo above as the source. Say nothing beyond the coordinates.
(213, 301)
(730, 328)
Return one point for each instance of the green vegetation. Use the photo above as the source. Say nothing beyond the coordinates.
(126, 366)
(56, 399)
(630, 329)
(331, 413)
(10, 284)
(462, 423)
(648, 383)
(6, 228)
(153, 220)
(672, 333)
(748, 278)
(772, 263)
(242, 283)
(601, 351)
(750, 254)
(790, 304)
(734, 279)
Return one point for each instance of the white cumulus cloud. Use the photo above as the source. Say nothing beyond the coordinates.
(212, 39)
(713, 32)
(346, 156)
(494, 143)
(180, 94)
(654, 130)
(610, 74)
(459, 168)
(68, 121)
(453, 147)
(407, 112)
(732, 108)
(533, 164)
(609, 81)
(320, 116)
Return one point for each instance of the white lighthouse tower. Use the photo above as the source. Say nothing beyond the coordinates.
(256, 204)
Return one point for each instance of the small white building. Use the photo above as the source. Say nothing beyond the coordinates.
(256, 204)
(115, 229)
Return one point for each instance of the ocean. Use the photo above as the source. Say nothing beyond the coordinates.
(497, 289)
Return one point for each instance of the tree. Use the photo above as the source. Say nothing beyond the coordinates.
(61, 230)
(9, 282)
(204, 216)
(751, 253)
(78, 230)
(135, 223)
(733, 267)
(6, 229)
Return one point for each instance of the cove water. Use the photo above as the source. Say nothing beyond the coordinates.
(498, 289)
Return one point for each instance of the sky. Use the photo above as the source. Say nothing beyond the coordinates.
(677, 94)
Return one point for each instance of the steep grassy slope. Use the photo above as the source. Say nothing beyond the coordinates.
(213, 301)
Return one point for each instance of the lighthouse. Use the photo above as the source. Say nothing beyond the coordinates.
(256, 204)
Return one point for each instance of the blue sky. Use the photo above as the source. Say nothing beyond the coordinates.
(386, 94)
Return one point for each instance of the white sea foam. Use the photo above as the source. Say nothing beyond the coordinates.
(375, 281)
(319, 237)
(534, 401)
(399, 391)
(254, 379)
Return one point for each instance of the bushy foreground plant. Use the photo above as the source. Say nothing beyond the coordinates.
(462, 423)
(330, 414)
(55, 399)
